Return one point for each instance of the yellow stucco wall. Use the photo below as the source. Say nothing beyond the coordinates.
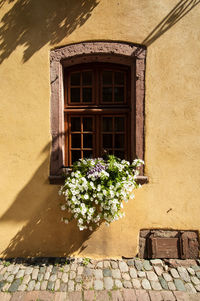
(29, 212)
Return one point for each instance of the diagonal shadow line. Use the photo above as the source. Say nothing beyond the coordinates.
(182, 8)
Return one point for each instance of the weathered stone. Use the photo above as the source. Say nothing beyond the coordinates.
(130, 262)
(87, 272)
(141, 295)
(14, 270)
(138, 265)
(72, 275)
(147, 265)
(116, 273)
(114, 264)
(40, 277)
(174, 273)
(54, 270)
(123, 266)
(2, 283)
(171, 286)
(44, 285)
(107, 273)
(22, 288)
(31, 285)
(46, 276)
(156, 286)
(66, 268)
(63, 287)
(108, 283)
(5, 276)
(127, 284)
(59, 275)
(49, 269)
(167, 277)
(196, 268)
(191, 271)
(163, 283)
(14, 286)
(78, 287)
(53, 277)
(65, 277)
(179, 284)
(35, 274)
(98, 285)
(37, 286)
(118, 283)
(136, 283)
(126, 276)
(197, 287)
(79, 270)
(10, 278)
(98, 274)
(42, 270)
(74, 267)
(106, 264)
(146, 284)
(57, 285)
(71, 286)
(195, 280)
(100, 264)
(5, 287)
(156, 262)
(152, 276)
(158, 270)
(167, 296)
(133, 273)
(183, 274)
(88, 284)
(190, 288)
(197, 273)
(28, 270)
(26, 279)
(141, 274)
(9, 268)
(50, 285)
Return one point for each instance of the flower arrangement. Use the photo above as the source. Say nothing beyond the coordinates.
(95, 189)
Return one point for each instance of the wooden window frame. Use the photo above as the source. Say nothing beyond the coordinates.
(126, 54)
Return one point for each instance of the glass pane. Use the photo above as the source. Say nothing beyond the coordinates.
(75, 124)
(75, 94)
(76, 140)
(107, 94)
(119, 78)
(119, 140)
(119, 154)
(119, 124)
(107, 77)
(87, 141)
(87, 78)
(88, 154)
(107, 124)
(75, 79)
(119, 94)
(107, 140)
(76, 154)
(87, 94)
(87, 124)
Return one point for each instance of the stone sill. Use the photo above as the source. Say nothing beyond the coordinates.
(59, 180)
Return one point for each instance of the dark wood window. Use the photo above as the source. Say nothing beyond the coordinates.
(97, 111)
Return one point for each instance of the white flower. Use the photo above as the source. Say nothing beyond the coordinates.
(63, 207)
(66, 221)
(86, 196)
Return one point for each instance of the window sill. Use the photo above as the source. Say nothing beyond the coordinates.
(59, 180)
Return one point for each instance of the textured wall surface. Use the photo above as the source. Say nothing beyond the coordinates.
(30, 215)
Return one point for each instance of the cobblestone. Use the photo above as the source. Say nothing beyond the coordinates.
(132, 275)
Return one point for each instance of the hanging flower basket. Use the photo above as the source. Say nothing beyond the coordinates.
(96, 188)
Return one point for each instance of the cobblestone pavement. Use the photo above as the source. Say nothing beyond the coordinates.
(84, 279)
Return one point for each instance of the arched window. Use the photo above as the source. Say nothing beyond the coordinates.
(97, 103)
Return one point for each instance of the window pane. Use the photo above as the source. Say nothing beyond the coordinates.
(87, 141)
(107, 94)
(119, 94)
(119, 124)
(107, 124)
(76, 154)
(75, 124)
(107, 77)
(87, 94)
(75, 94)
(119, 154)
(75, 79)
(119, 140)
(119, 78)
(87, 78)
(76, 140)
(87, 154)
(107, 140)
(87, 124)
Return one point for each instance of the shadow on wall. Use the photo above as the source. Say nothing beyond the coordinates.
(35, 23)
(182, 8)
(37, 205)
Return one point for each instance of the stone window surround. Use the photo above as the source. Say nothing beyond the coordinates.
(85, 52)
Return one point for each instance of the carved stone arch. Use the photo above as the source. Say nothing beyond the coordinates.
(84, 52)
